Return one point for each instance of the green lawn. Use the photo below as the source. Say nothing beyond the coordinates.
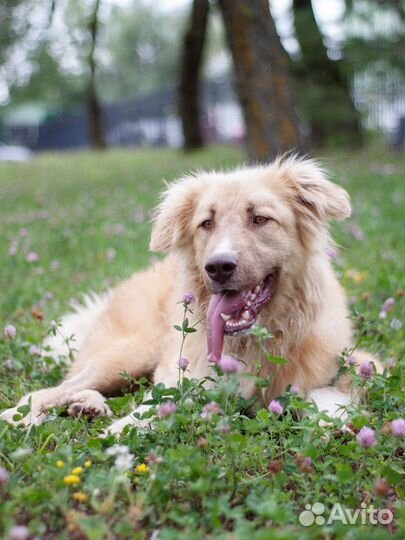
(82, 221)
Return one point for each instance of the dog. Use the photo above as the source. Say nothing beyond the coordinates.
(252, 247)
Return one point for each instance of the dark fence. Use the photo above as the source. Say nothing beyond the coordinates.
(150, 120)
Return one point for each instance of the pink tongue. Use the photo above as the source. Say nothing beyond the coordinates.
(227, 303)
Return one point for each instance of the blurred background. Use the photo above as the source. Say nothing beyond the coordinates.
(184, 73)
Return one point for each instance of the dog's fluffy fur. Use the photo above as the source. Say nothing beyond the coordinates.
(131, 330)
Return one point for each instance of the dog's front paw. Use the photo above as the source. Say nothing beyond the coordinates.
(88, 402)
(14, 417)
(118, 426)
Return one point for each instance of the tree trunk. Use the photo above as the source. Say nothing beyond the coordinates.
(328, 103)
(94, 110)
(189, 88)
(262, 79)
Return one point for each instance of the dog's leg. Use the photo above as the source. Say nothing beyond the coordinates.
(43, 400)
(331, 400)
(334, 399)
(168, 375)
(81, 391)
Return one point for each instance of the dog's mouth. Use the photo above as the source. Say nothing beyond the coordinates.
(233, 312)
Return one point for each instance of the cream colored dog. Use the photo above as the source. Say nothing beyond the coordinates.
(251, 245)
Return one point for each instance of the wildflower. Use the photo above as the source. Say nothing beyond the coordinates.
(117, 450)
(391, 364)
(13, 249)
(32, 257)
(366, 370)
(295, 389)
(142, 468)
(10, 331)
(398, 427)
(202, 441)
(366, 437)
(382, 487)
(88, 464)
(356, 232)
(111, 253)
(9, 364)
(275, 407)
(388, 304)
(71, 479)
(166, 409)
(224, 428)
(77, 470)
(79, 496)
(306, 465)
(396, 324)
(37, 314)
(19, 532)
(351, 360)
(154, 458)
(124, 462)
(229, 364)
(210, 409)
(34, 350)
(275, 466)
(355, 275)
(60, 464)
(4, 476)
(386, 307)
(188, 298)
(331, 252)
(182, 363)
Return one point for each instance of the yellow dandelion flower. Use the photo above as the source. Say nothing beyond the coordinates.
(79, 496)
(77, 470)
(72, 479)
(60, 464)
(88, 464)
(142, 468)
(355, 275)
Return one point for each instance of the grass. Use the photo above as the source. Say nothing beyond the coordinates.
(230, 476)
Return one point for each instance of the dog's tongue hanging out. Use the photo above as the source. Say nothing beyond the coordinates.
(221, 306)
(232, 311)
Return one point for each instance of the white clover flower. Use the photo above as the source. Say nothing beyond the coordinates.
(117, 450)
(124, 462)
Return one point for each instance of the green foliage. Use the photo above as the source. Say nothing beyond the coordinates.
(226, 475)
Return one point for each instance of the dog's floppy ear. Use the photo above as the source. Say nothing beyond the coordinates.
(173, 215)
(316, 195)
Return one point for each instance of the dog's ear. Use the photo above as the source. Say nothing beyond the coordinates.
(317, 196)
(172, 217)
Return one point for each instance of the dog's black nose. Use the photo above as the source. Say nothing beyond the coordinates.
(221, 267)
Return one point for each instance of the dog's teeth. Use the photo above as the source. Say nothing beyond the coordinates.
(249, 303)
(225, 317)
(253, 297)
(246, 315)
(256, 289)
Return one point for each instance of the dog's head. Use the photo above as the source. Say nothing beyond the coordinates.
(243, 229)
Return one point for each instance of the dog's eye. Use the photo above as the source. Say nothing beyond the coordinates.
(260, 220)
(206, 224)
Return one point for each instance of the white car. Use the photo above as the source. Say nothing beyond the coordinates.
(15, 153)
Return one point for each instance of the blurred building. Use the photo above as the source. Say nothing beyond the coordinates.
(145, 121)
